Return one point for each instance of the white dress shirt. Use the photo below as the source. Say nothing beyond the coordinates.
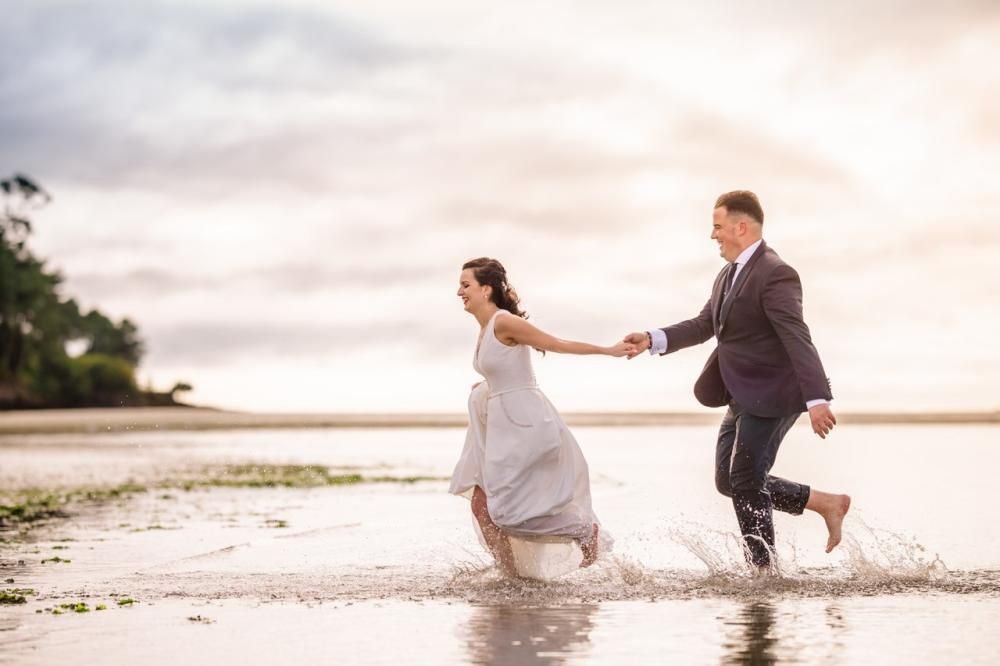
(659, 338)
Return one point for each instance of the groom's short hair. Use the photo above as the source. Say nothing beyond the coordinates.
(741, 201)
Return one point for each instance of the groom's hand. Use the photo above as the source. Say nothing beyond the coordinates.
(639, 340)
(822, 419)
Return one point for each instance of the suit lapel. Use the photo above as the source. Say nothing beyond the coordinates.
(741, 280)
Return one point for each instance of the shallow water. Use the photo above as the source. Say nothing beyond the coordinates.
(390, 573)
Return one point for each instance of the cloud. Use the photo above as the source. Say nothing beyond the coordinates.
(285, 103)
(118, 92)
(918, 35)
(220, 343)
(585, 188)
(720, 148)
(297, 278)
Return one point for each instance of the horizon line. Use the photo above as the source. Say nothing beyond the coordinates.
(132, 419)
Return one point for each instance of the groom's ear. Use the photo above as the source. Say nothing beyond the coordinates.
(744, 222)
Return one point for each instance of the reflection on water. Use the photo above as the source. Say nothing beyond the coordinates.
(759, 632)
(515, 635)
(751, 638)
(838, 628)
(751, 632)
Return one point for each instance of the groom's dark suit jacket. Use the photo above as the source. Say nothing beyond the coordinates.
(765, 359)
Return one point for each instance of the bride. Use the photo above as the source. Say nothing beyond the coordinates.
(520, 466)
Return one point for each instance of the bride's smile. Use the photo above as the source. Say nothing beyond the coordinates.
(473, 295)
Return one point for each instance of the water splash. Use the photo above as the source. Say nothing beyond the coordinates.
(877, 561)
(884, 555)
(669, 560)
(721, 552)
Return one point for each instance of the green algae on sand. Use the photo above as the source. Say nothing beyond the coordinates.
(23, 509)
(288, 476)
(32, 505)
(154, 527)
(15, 596)
(270, 476)
(78, 607)
(56, 560)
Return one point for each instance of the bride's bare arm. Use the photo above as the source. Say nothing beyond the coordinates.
(516, 330)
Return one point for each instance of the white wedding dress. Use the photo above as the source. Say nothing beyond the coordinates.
(519, 451)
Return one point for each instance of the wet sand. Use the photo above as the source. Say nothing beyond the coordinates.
(389, 571)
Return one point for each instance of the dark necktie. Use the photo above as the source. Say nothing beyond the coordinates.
(728, 284)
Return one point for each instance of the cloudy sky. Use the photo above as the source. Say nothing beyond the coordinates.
(281, 194)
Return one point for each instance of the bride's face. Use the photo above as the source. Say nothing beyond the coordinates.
(473, 294)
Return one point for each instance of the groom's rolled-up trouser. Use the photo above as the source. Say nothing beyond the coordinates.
(744, 455)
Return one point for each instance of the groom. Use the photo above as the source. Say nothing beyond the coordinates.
(764, 368)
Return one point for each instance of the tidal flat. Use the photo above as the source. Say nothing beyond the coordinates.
(269, 545)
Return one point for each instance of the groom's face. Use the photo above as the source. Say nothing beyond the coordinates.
(726, 231)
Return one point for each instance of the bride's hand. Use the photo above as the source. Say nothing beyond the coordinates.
(621, 349)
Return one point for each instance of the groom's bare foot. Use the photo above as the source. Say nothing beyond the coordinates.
(591, 547)
(834, 517)
(833, 508)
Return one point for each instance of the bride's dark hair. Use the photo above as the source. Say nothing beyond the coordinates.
(491, 272)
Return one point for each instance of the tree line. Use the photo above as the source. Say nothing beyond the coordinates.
(40, 327)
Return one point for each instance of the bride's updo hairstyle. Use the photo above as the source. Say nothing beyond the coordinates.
(491, 272)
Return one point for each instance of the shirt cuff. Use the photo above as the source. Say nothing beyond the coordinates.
(818, 401)
(659, 339)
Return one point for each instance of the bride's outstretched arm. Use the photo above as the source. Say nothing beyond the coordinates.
(512, 330)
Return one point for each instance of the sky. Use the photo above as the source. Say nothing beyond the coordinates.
(282, 194)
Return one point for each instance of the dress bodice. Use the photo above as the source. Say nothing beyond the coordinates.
(504, 367)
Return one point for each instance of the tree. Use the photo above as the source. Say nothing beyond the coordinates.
(36, 322)
(105, 337)
(21, 195)
(26, 289)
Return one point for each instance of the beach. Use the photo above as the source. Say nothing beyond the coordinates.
(318, 542)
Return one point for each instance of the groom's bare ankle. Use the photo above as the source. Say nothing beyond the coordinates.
(821, 502)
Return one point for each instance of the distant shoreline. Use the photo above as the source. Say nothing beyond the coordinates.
(129, 419)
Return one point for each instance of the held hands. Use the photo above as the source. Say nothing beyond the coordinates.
(620, 349)
(639, 343)
(822, 419)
